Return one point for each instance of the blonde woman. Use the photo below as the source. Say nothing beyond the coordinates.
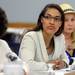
(69, 30)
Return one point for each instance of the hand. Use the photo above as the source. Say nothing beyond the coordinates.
(59, 64)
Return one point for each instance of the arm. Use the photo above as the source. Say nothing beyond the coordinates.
(28, 52)
(61, 58)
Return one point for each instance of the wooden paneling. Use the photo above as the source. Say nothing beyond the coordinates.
(22, 25)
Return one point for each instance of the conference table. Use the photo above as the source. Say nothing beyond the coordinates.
(53, 73)
(66, 71)
(57, 72)
(12, 69)
(1, 74)
(49, 73)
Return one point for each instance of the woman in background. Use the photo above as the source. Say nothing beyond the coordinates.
(45, 44)
(69, 30)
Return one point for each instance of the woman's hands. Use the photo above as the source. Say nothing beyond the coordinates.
(58, 64)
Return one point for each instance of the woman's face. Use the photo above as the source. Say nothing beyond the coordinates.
(51, 21)
(69, 23)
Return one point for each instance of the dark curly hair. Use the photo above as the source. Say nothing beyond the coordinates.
(39, 24)
(3, 22)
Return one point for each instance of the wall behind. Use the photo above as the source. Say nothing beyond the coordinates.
(27, 10)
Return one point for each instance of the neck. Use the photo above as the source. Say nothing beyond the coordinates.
(68, 39)
(47, 38)
(67, 36)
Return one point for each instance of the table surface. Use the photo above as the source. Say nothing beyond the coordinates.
(1, 74)
(70, 73)
(50, 73)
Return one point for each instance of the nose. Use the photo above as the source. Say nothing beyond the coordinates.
(52, 21)
(70, 23)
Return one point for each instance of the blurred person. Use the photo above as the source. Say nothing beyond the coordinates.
(45, 44)
(6, 54)
(4, 48)
(69, 30)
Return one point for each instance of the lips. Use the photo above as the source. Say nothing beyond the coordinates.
(70, 28)
(51, 27)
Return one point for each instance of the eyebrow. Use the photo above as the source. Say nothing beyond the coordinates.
(54, 16)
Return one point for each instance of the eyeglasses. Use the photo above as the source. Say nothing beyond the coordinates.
(56, 19)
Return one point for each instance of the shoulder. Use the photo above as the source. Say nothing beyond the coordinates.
(60, 43)
(73, 39)
(60, 40)
(60, 37)
(32, 34)
(73, 36)
(4, 44)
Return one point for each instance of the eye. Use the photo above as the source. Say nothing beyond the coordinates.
(57, 18)
(47, 17)
(73, 19)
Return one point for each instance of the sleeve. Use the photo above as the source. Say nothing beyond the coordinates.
(4, 49)
(27, 53)
(27, 48)
(63, 52)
